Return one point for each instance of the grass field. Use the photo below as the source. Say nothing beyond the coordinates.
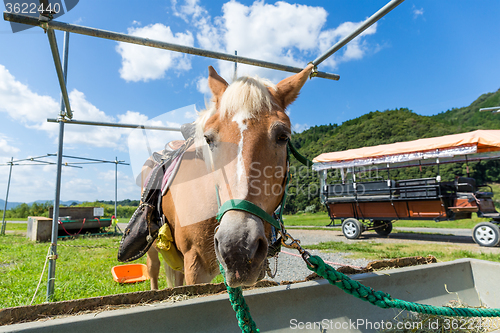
(83, 268)
(84, 265)
(376, 251)
(322, 219)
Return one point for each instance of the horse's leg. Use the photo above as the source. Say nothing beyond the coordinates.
(153, 266)
(194, 272)
(174, 278)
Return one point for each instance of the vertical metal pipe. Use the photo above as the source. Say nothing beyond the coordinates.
(55, 219)
(55, 216)
(65, 71)
(6, 198)
(235, 67)
(116, 184)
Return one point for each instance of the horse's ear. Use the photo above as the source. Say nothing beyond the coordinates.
(288, 89)
(216, 83)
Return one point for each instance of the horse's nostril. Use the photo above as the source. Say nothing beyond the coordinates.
(216, 243)
(261, 251)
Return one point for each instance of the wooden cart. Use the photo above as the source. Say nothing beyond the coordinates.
(374, 205)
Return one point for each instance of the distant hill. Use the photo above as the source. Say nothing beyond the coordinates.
(11, 205)
(389, 126)
(397, 125)
(126, 202)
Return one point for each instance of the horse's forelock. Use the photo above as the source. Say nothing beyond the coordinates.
(246, 97)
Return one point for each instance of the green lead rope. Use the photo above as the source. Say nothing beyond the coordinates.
(245, 321)
(384, 300)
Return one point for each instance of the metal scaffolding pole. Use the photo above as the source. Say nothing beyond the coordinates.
(155, 43)
(61, 73)
(96, 123)
(365, 25)
(64, 106)
(116, 183)
(6, 198)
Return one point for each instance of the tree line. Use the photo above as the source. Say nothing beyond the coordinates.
(390, 126)
(124, 209)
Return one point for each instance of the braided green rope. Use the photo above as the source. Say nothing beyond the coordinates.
(245, 321)
(384, 300)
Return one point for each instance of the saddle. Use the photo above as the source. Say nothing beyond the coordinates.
(144, 225)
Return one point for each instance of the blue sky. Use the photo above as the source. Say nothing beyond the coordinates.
(428, 56)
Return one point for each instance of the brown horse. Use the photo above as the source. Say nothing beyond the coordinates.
(240, 152)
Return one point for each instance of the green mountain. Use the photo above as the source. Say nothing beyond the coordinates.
(382, 127)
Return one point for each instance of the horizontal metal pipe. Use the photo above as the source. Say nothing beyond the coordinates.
(96, 123)
(157, 44)
(60, 75)
(90, 159)
(365, 25)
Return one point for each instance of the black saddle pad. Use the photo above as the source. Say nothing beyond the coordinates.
(140, 233)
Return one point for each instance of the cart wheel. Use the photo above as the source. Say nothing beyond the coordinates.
(352, 228)
(383, 228)
(486, 234)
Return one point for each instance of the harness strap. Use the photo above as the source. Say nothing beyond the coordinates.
(301, 158)
(249, 207)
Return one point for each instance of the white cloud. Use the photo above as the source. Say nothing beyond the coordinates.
(202, 86)
(417, 12)
(354, 50)
(22, 104)
(189, 8)
(141, 145)
(141, 63)
(298, 128)
(284, 33)
(5, 148)
(281, 32)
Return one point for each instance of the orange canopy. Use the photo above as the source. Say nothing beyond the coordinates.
(473, 142)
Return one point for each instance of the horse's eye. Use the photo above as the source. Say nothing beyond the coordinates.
(282, 138)
(210, 141)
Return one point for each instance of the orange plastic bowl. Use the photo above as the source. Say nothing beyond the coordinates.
(130, 273)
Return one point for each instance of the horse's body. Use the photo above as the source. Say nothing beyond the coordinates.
(239, 153)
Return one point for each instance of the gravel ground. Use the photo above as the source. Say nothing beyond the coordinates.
(292, 268)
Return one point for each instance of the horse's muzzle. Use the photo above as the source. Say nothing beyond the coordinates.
(241, 247)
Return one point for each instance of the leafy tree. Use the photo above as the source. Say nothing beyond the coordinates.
(376, 128)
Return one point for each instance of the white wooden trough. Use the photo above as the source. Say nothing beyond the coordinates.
(295, 307)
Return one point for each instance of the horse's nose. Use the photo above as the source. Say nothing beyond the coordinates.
(241, 235)
(241, 246)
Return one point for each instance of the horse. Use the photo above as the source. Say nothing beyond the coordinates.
(239, 152)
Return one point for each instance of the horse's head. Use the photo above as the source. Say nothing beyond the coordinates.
(246, 131)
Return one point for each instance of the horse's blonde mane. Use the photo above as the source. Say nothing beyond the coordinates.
(247, 97)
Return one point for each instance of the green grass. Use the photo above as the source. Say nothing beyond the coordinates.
(322, 219)
(16, 227)
(376, 251)
(307, 219)
(16, 219)
(83, 269)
